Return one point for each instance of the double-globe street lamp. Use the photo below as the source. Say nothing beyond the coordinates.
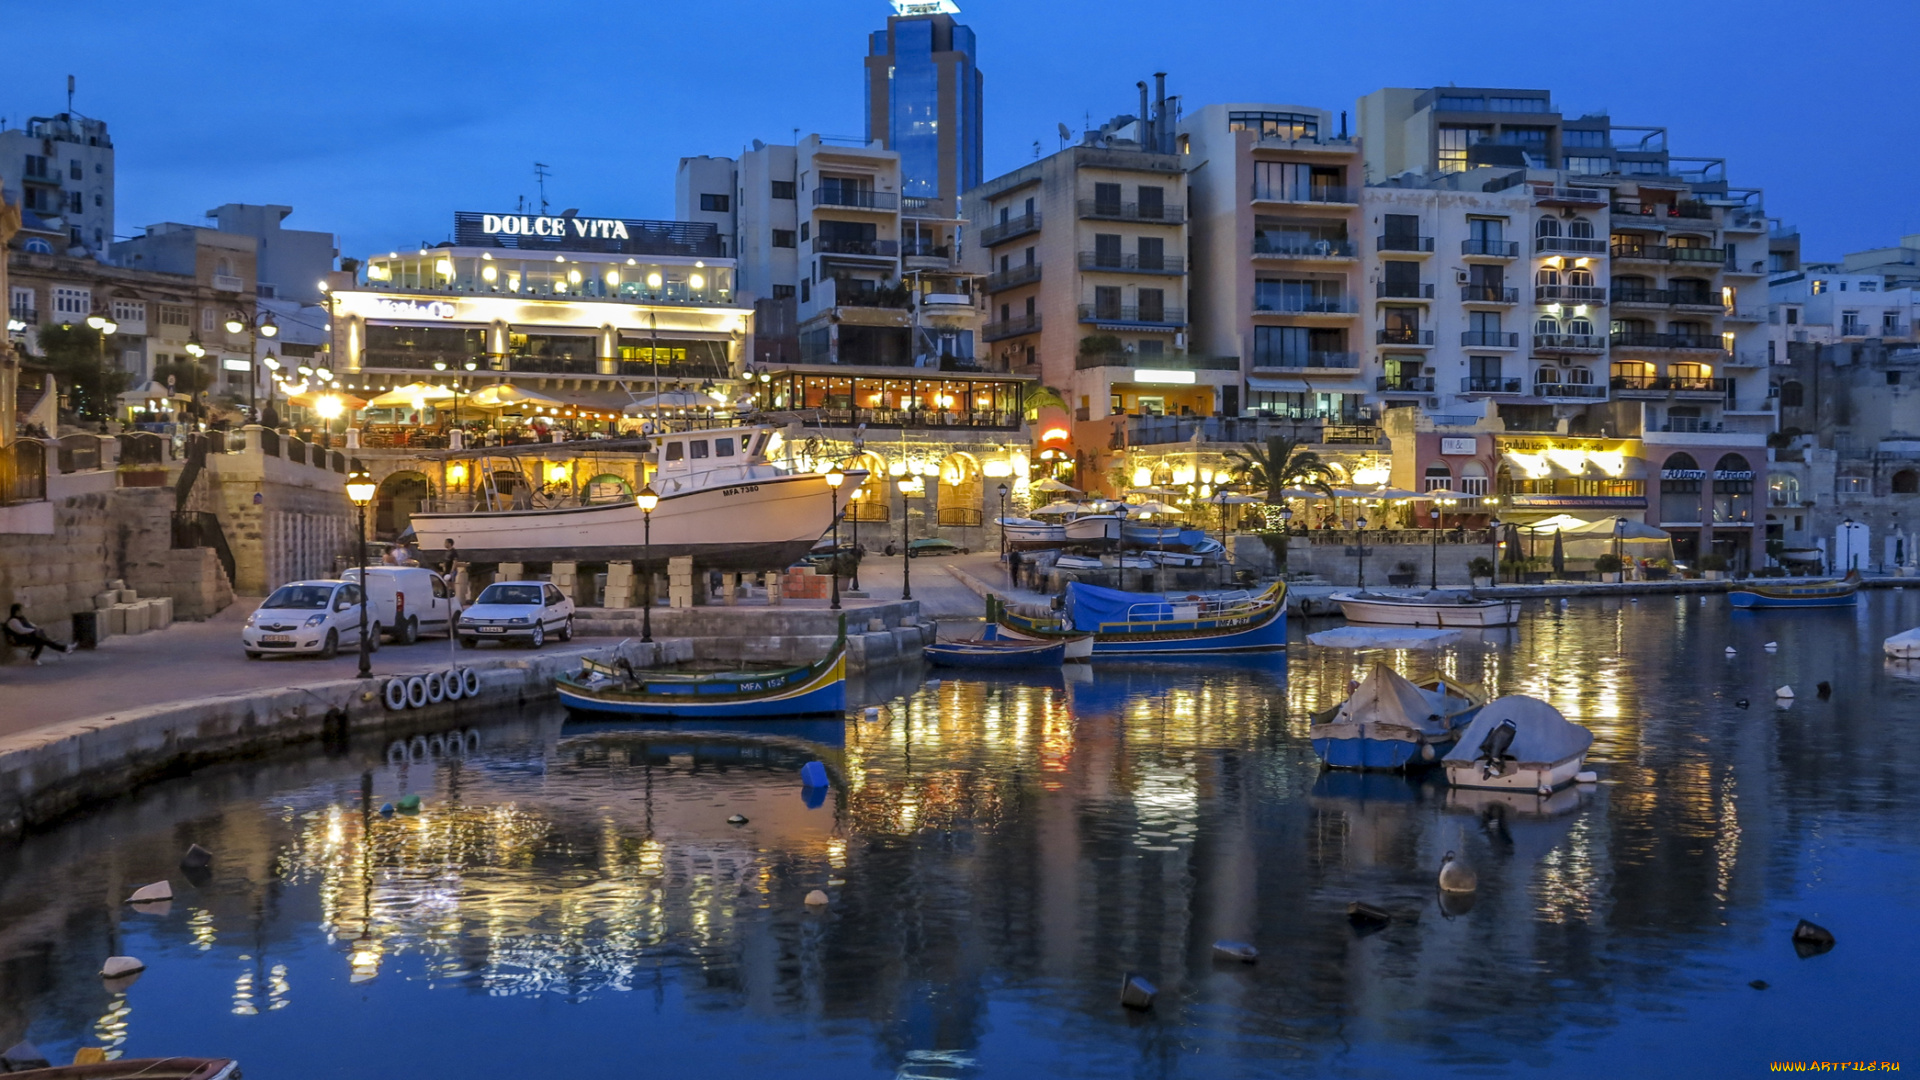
(106, 328)
(360, 489)
(907, 485)
(258, 325)
(834, 479)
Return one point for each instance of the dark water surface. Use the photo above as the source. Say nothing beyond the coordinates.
(571, 900)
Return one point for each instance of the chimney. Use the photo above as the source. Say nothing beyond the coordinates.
(1343, 123)
(1162, 131)
(1146, 124)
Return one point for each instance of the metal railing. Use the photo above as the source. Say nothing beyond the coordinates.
(1300, 247)
(1634, 339)
(1490, 339)
(1329, 193)
(1577, 245)
(1488, 294)
(1550, 194)
(1303, 305)
(1403, 290)
(1403, 242)
(1013, 276)
(923, 249)
(1406, 384)
(1001, 232)
(1570, 342)
(1663, 384)
(201, 529)
(1398, 336)
(1576, 294)
(1133, 313)
(1168, 430)
(1006, 328)
(859, 198)
(1581, 391)
(1484, 385)
(824, 245)
(1692, 211)
(79, 453)
(1161, 214)
(1313, 359)
(1136, 264)
(1667, 253)
(1496, 249)
(914, 418)
(959, 517)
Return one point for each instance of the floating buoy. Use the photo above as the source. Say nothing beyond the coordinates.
(1730, 650)
(1587, 776)
(1824, 690)
(196, 858)
(1771, 646)
(1810, 939)
(1244, 952)
(1740, 704)
(1455, 876)
(816, 898)
(150, 894)
(813, 774)
(408, 804)
(1784, 692)
(737, 819)
(1136, 992)
(118, 966)
(386, 809)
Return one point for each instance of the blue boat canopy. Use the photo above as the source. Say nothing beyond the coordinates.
(1089, 606)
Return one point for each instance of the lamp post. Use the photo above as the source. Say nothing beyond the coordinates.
(258, 325)
(858, 494)
(1435, 511)
(360, 489)
(834, 479)
(648, 499)
(906, 537)
(1846, 530)
(1494, 525)
(1003, 523)
(1619, 534)
(105, 327)
(1360, 526)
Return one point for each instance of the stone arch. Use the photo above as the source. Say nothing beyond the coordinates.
(1547, 226)
(960, 490)
(399, 497)
(1438, 475)
(871, 499)
(1581, 228)
(598, 488)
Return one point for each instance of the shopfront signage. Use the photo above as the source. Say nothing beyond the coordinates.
(1683, 474)
(414, 309)
(1733, 474)
(1161, 377)
(1577, 502)
(578, 228)
(1452, 445)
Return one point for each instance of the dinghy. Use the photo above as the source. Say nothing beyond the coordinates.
(1904, 645)
(1518, 742)
(1813, 594)
(1436, 609)
(996, 653)
(1392, 723)
(808, 690)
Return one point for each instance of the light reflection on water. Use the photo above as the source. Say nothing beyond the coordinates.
(997, 853)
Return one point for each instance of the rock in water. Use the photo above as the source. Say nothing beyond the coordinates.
(1136, 992)
(1758, 984)
(1811, 939)
(148, 894)
(737, 819)
(1366, 916)
(1456, 876)
(196, 858)
(1225, 949)
(117, 966)
(1741, 704)
(1824, 690)
(816, 898)
(813, 774)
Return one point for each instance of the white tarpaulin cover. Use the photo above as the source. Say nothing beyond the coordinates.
(1388, 699)
(1541, 737)
(1382, 637)
(1904, 645)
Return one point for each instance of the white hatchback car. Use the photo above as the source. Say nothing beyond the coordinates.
(517, 610)
(308, 617)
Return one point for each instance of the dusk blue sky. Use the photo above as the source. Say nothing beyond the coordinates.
(376, 122)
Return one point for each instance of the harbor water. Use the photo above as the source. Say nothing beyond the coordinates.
(998, 853)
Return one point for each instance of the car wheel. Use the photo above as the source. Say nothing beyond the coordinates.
(469, 643)
(539, 637)
(331, 647)
(409, 633)
(373, 638)
(566, 629)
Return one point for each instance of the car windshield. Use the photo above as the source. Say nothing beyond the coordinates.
(510, 594)
(304, 597)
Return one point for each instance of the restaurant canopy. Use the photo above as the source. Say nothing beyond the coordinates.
(412, 396)
(508, 396)
(1055, 485)
(1060, 508)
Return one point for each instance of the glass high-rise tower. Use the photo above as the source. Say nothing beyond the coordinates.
(923, 99)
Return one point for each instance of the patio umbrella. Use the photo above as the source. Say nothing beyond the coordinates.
(411, 395)
(1559, 552)
(1392, 494)
(1239, 500)
(1447, 493)
(312, 400)
(507, 396)
(1149, 508)
(1309, 493)
(1514, 554)
(670, 399)
(1051, 484)
(1059, 508)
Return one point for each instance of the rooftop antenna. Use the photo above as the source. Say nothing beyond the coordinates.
(69, 93)
(540, 174)
(1036, 149)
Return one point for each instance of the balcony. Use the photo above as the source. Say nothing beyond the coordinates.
(1490, 249)
(26, 316)
(856, 198)
(1015, 276)
(1570, 390)
(1570, 294)
(1149, 213)
(1303, 305)
(1645, 386)
(1405, 384)
(1545, 195)
(1638, 339)
(917, 206)
(1164, 361)
(1632, 214)
(1572, 245)
(1312, 360)
(1489, 339)
(228, 283)
(1009, 229)
(1488, 294)
(1133, 315)
(1322, 195)
(1404, 336)
(1627, 249)
(1014, 327)
(1642, 297)
(1569, 343)
(1285, 246)
(920, 249)
(878, 249)
(1133, 264)
(1490, 385)
(1403, 242)
(1402, 290)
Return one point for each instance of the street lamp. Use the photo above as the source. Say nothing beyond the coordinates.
(648, 499)
(1435, 511)
(1003, 523)
(906, 537)
(1494, 525)
(258, 325)
(1846, 530)
(834, 479)
(1619, 534)
(106, 327)
(856, 495)
(1360, 525)
(360, 489)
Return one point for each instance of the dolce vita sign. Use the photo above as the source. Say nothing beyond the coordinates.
(557, 227)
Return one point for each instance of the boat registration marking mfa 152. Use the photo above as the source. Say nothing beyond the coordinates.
(744, 489)
(764, 684)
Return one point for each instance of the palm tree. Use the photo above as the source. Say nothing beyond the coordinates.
(1041, 397)
(1282, 463)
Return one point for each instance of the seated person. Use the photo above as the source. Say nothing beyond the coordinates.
(22, 633)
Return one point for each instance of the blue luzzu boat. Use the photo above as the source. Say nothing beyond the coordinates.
(1392, 723)
(1813, 594)
(813, 689)
(1143, 624)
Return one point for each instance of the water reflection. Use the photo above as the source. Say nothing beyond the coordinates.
(996, 853)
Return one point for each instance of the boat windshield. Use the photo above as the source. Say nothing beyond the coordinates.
(510, 594)
(301, 597)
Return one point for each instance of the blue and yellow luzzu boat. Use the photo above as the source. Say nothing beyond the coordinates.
(1813, 594)
(1138, 624)
(811, 690)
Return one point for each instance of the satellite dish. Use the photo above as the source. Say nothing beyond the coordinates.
(1064, 133)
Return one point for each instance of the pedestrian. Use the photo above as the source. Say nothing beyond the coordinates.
(1013, 567)
(448, 560)
(21, 633)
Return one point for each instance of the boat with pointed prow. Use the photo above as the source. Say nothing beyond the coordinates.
(815, 689)
(1142, 624)
(1813, 594)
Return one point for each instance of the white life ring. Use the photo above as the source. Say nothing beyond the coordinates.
(396, 694)
(453, 685)
(397, 752)
(416, 691)
(417, 750)
(436, 687)
(472, 679)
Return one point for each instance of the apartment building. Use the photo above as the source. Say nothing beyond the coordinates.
(291, 263)
(59, 171)
(223, 267)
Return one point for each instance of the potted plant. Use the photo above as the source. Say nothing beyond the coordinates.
(1403, 575)
(1609, 567)
(1714, 566)
(1659, 569)
(1481, 568)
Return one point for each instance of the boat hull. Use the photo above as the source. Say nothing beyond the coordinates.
(1754, 599)
(1433, 616)
(1262, 630)
(1008, 655)
(1530, 776)
(1026, 536)
(756, 525)
(821, 690)
(1368, 752)
(1093, 527)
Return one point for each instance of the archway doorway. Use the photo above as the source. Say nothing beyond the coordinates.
(400, 496)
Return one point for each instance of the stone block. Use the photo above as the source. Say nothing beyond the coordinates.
(105, 600)
(117, 584)
(128, 596)
(136, 617)
(116, 619)
(163, 612)
(511, 571)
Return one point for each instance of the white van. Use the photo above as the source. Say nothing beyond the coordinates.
(308, 617)
(407, 601)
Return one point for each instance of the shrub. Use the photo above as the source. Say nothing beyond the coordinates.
(1608, 564)
(1480, 566)
(1711, 561)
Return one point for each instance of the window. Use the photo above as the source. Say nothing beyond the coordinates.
(1106, 250)
(1893, 378)
(1154, 347)
(1152, 253)
(75, 170)
(676, 451)
(783, 292)
(1819, 286)
(1869, 286)
(1275, 125)
(1580, 228)
(697, 448)
(1547, 226)
(719, 204)
(36, 166)
(173, 315)
(804, 226)
(1153, 202)
(1451, 155)
(723, 448)
(1590, 140)
(20, 300)
(76, 202)
(804, 290)
(1438, 477)
(1582, 165)
(1106, 302)
(69, 301)
(129, 311)
(1793, 316)
(1404, 228)
(783, 189)
(1461, 104)
(783, 238)
(1792, 395)
(1153, 305)
(206, 320)
(1487, 231)
(1106, 199)
(1518, 104)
